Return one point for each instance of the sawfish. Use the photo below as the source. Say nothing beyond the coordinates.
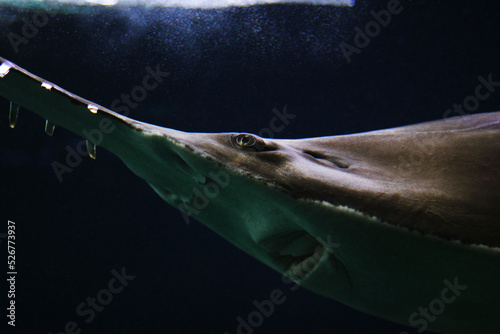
(401, 223)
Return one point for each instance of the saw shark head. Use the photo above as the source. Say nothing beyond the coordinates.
(238, 185)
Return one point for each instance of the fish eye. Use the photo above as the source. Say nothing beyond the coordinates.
(248, 142)
(245, 140)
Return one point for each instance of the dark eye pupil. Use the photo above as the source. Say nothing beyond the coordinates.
(245, 140)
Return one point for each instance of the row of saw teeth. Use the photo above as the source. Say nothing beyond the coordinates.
(49, 127)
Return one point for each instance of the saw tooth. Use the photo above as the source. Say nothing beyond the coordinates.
(93, 109)
(4, 69)
(49, 127)
(91, 148)
(47, 86)
(14, 110)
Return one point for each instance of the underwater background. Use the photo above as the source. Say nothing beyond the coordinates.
(230, 70)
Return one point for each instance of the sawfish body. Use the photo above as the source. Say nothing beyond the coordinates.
(401, 223)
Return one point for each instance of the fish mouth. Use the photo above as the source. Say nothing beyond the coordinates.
(296, 254)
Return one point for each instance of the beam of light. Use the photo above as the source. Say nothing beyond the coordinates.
(176, 3)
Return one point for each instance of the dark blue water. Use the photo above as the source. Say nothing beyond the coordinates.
(228, 70)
